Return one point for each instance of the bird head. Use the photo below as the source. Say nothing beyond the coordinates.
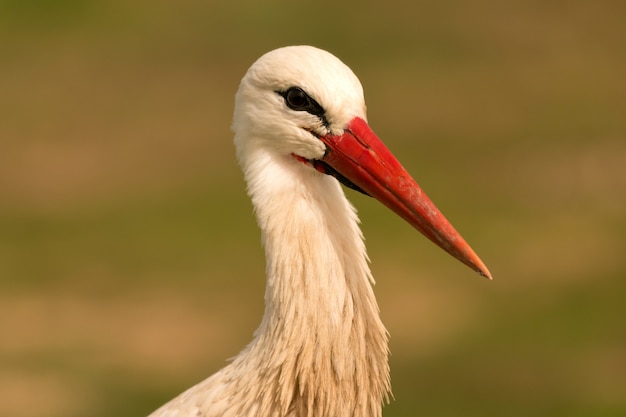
(304, 103)
(297, 94)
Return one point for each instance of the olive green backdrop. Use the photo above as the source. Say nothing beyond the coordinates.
(130, 263)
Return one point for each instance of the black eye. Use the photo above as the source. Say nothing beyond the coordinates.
(296, 99)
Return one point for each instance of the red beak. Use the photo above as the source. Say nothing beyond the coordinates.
(363, 159)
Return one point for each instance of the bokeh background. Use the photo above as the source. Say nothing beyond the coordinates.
(130, 262)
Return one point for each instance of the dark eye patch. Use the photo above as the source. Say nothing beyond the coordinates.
(297, 99)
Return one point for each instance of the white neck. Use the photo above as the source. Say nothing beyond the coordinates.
(321, 341)
(321, 349)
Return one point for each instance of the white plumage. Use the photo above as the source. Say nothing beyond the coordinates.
(321, 349)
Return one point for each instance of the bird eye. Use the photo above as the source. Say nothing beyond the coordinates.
(296, 99)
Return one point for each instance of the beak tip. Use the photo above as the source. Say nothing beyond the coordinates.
(471, 259)
(482, 270)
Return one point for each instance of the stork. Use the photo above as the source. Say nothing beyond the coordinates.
(321, 349)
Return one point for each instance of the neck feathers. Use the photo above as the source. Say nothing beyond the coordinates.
(322, 344)
(321, 349)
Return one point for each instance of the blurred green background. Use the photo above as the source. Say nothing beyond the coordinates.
(130, 263)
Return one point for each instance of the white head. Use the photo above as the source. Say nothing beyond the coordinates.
(302, 102)
(262, 102)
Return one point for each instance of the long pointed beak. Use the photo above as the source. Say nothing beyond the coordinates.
(362, 158)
